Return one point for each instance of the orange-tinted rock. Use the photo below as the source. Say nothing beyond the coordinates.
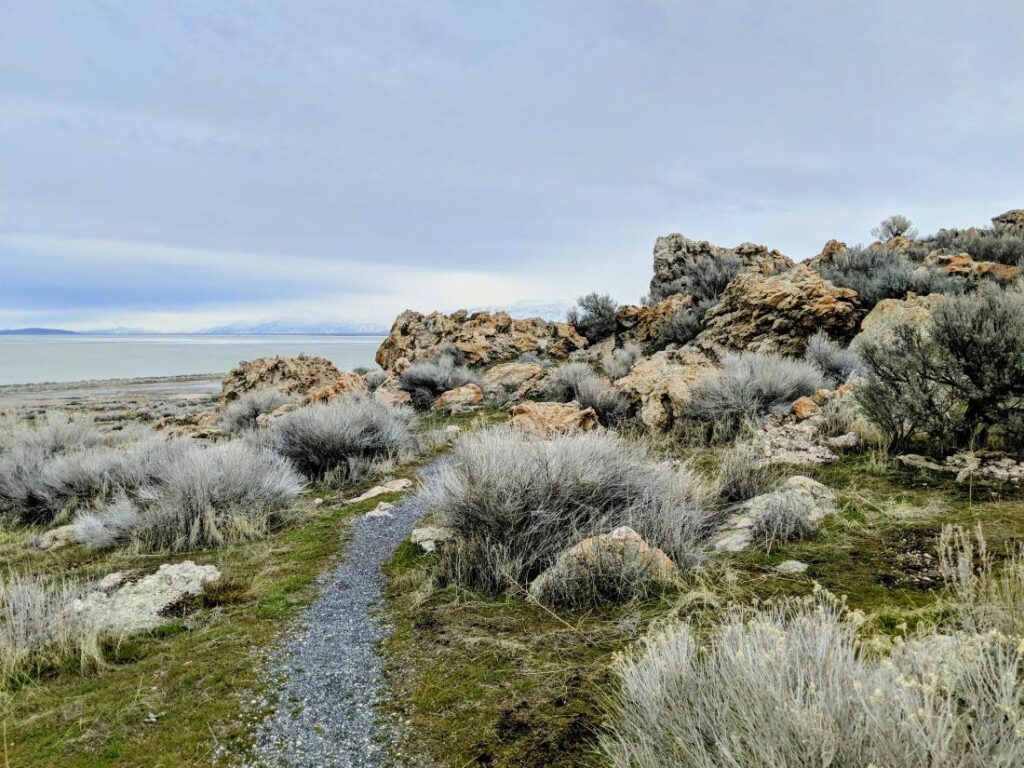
(459, 398)
(345, 384)
(549, 419)
(804, 408)
(291, 375)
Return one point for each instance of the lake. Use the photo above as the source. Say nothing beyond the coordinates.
(58, 358)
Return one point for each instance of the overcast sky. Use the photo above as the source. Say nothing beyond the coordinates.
(176, 165)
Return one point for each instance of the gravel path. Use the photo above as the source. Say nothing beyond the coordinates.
(332, 676)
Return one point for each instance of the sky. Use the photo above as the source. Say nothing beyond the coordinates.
(175, 165)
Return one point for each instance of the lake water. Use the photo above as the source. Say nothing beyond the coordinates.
(39, 359)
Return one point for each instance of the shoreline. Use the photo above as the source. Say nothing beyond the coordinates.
(53, 392)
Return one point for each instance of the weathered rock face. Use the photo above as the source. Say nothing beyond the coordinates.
(459, 399)
(512, 381)
(199, 426)
(980, 466)
(291, 375)
(880, 324)
(483, 338)
(673, 252)
(816, 500)
(619, 564)
(658, 388)
(962, 265)
(782, 441)
(1011, 221)
(550, 419)
(346, 384)
(780, 313)
(643, 324)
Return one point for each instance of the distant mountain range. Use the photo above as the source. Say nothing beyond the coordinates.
(35, 332)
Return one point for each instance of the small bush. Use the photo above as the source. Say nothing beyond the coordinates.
(341, 436)
(988, 599)
(751, 384)
(684, 325)
(200, 497)
(791, 686)
(958, 382)
(374, 379)
(579, 382)
(783, 516)
(593, 316)
(38, 629)
(703, 277)
(240, 416)
(427, 380)
(878, 273)
(837, 363)
(619, 361)
(743, 473)
(894, 226)
(982, 245)
(516, 502)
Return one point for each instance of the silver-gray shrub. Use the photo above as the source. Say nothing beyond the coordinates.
(516, 501)
(579, 382)
(981, 244)
(783, 516)
(340, 437)
(593, 316)
(894, 226)
(836, 362)
(685, 324)
(374, 378)
(878, 273)
(703, 277)
(201, 497)
(791, 685)
(618, 362)
(240, 416)
(742, 473)
(751, 384)
(425, 380)
(39, 630)
(53, 434)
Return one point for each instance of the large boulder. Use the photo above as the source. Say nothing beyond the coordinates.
(483, 338)
(779, 313)
(1011, 221)
(643, 324)
(549, 419)
(346, 384)
(512, 381)
(881, 322)
(290, 375)
(459, 399)
(616, 567)
(658, 388)
(672, 254)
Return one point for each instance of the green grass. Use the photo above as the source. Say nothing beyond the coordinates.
(503, 682)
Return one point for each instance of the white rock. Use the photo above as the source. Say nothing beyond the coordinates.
(118, 607)
(429, 537)
(391, 486)
(381, 510)
(791, 567)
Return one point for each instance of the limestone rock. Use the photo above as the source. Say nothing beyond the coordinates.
(391, 486)
(122, 605)
(659, 387)
(621, 562)
(1011, 221)
(393, 396)
(549, 419)
(880, 324)
(962, 265)
(736, 534)
(784, 442)
(780, 313)
(483, 338)
(459, 399)
(643, 324)
(827, 255)
(980, 466)
(54, 538)
(290, 375)
(512, 382)
(804, 408)
(264, 420)
(673, 252)
(430, 538)
(347, 383)
(791, 567)
(198, 426)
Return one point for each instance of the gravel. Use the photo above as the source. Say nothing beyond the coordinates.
(332, 674)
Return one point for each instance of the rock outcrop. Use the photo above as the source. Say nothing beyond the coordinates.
(658, 387)
(290, 375)
(1011, 221)
(672, 254)
(880, 325)
(458, 399)
(962, 265)
(980, 466)
(483, 338)
(550, 419)
(643, 324)
(512, 382)
(616, 566)
(816, 500)
(780, 313)
(345, 384)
